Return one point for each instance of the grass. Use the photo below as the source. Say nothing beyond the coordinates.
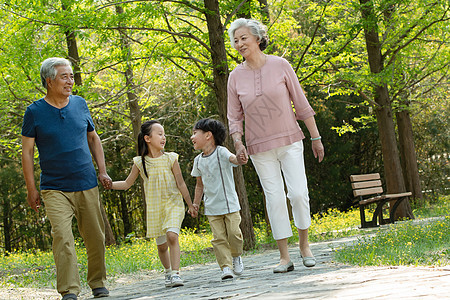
(425, 243)
(402, 243)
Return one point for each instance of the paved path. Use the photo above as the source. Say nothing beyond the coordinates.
(327, 280)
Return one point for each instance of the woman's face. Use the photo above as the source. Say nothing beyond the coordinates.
(245, 42)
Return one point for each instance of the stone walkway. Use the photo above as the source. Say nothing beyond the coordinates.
(327, 280)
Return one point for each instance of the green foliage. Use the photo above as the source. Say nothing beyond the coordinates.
(170, 57)
(436, 207)
(432, 144)
(21, 228)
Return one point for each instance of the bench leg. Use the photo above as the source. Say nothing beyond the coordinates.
(394, 208)
(362, 215)
(377, 214)
(371, 223)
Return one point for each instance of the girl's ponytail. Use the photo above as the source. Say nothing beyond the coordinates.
(146, 129)
(143, 151)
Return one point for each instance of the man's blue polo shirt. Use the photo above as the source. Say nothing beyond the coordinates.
(61, 138)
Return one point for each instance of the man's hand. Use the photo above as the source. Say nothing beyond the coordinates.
(105, 180)
(34, 199)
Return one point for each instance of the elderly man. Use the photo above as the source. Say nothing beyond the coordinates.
(62, 128)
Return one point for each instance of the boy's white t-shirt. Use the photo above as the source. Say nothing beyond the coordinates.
(216, 170)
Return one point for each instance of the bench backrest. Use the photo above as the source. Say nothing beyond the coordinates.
(366, 184)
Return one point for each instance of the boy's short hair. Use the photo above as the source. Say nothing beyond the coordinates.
(217, 129)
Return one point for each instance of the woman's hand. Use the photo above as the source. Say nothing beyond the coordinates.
(318, 149)
(241, 153)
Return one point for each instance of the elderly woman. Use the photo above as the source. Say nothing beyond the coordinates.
(261, 91)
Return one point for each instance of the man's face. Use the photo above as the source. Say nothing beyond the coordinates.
(63, 82)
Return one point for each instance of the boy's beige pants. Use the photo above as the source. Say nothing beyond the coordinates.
(227, 242)
(60, 208)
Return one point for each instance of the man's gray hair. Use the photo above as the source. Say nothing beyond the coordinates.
(48, 68)
(257, 29)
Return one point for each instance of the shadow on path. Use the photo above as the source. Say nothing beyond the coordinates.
(327, 280)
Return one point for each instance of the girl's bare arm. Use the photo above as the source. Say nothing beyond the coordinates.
(127, 183)
(176, 170)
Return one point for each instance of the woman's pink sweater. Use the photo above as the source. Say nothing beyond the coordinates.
(263, 100)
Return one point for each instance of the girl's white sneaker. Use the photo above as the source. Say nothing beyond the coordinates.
(226, 273)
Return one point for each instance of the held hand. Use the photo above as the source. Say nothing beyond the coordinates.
(192, 211)
(241, 153)
(105, 180)
(242, 158)
(318, 149)
(34, 200)
(196, 207)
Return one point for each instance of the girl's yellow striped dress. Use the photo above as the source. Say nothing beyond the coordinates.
(165, 207)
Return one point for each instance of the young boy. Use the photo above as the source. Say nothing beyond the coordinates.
(213, 169)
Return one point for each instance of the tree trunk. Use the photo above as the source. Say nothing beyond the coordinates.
(72, 50)
(391, 160)
(74, 58)
(7, 225)
(133, 101)
(408, 154)
(127, 228)
(220, 72)
(109, 236)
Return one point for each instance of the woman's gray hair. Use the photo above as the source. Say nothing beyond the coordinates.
(257, 29)
(48, 68)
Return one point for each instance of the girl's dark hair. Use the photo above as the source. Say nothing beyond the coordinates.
(217, 129)
(146, 129)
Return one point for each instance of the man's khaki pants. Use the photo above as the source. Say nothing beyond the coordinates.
(61, 207)
(227, 242)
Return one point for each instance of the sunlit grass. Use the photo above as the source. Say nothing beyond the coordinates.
(330, 225)
(405, 243)
(409, 244)
(37, 270)
(440, 207)
(334, 224)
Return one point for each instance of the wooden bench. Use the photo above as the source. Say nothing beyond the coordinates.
(367, 189)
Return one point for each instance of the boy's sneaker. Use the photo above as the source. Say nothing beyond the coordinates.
(100, 292)
(238, 265)
(226, 273)
(168, 280)
(176, 280)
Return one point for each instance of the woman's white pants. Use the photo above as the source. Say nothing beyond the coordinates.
(271, 166)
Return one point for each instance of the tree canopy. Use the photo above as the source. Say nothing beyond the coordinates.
(364, 65)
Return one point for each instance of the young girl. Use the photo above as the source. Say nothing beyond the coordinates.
(214, 171)
(163, 188)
